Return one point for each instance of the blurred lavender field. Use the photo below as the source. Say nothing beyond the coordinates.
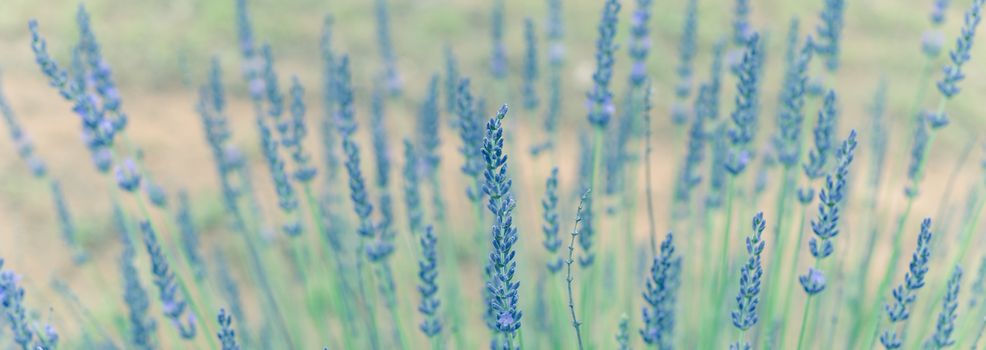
(162, 57)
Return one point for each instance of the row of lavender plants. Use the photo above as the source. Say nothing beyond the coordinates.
(396, 259)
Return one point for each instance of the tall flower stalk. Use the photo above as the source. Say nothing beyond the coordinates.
(826, 226)
(745, 316)
(568, 276)
(501, 285)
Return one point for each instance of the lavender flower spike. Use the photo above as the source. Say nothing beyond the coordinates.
(946, 319)
(227, 336)
(167, 287)
(744, 116)
(600, 98)
(948, 85)
(745, 315)
(660, 294)
(905, 294)
(431, 326)
(501, 286)
(550, 226)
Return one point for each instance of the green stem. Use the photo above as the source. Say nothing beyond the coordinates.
(779, 247)
(727, 231)
(721, 275)
(451, 259)
(436, 343)
(804, 321)
(590, 273)
(979, 335)
(390, 295)
(792, 275)
(323, 266)
(367, 296)
(556, 327)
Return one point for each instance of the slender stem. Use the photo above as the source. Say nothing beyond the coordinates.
(950, 183)
(719, 290)
(979, 335)
(923, 81)
(366, 296)
(390, 295)
(724, 253)
(450, 258)
(436, 342)
(780, 246)
(649, 192)
(556, 327)
(590, 273)
(804, 321)
(792, 275)
(708, 276)
(597, 158)
(319, 244)
(568, 278)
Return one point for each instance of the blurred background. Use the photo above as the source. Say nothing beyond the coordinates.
(160, 50)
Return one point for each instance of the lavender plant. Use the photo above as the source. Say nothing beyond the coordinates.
(431, 326)
(744, 116)
(22, 142)
(550, 226)
(568, 276)
(391, 76)
(67, 224)
(470, 133)
(686, 56)
(824, 132)
(748, 298)
(142, 327)
(555, 32)
(826, 225)
(345, 282)
(946, 319)
(452, 76)
(531, 71)
(660, 294)
(172, 304)
(227, 336)
(190, 244)
(600, 98)
(905, 294)
(830, 32)
(741, 22)
(688, 177)
(15, 313)
(412, 192)
(502, 287)
(498, 53)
